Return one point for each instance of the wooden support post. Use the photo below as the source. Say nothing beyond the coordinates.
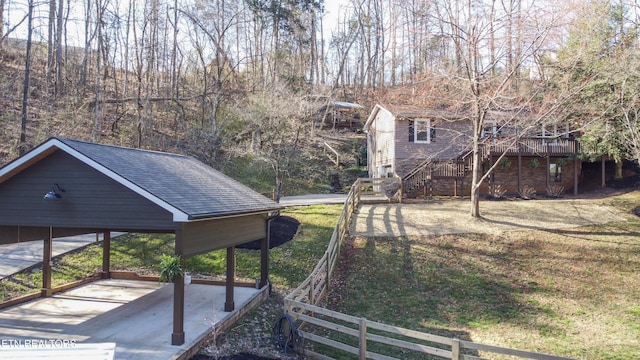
(46, 264)
(106, 255)
(547, 184)
(519, 169)
(575, 176)
(229, 304)
(604, 181)
(264, 257)
(177, 338)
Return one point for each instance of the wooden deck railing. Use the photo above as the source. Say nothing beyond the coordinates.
(458, 168)
(537, 146)
(338, 331)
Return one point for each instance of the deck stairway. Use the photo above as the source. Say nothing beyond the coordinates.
(431, 169)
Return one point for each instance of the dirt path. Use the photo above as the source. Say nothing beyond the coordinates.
(452, 217)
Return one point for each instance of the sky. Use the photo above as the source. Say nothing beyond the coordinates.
(333, 9)
(16, 10)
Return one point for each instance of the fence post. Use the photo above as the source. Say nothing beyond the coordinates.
(356, 196)
(363, 339)
(328, 281)
(455, 349)
(288, 308)
(312, 289)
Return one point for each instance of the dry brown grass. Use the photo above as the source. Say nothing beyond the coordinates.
(570, 291)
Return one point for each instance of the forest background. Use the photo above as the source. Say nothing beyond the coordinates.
(224, 80)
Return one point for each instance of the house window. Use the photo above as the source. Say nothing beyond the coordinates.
(555, 172)
(423, 132)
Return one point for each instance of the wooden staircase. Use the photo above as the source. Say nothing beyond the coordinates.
(457, 168)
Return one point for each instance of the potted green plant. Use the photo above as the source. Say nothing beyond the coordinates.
(504, 163)
(534, 163)
(170, 267)
(561, 162)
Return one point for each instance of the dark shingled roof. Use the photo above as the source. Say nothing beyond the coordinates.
(182, 182)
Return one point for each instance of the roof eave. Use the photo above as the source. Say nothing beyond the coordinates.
(221, 215)
(372, 117)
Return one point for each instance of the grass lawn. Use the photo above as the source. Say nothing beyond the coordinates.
(290, 263)
(572, 292)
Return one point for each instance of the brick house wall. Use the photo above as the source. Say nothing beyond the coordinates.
(508, 177)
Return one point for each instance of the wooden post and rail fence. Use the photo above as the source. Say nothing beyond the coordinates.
(358, 336)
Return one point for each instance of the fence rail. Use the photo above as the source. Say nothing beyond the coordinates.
(302, 304)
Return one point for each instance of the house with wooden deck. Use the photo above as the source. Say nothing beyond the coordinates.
(430, 149)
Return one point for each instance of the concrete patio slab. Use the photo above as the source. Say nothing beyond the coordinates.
(136, 315)
(19, 256)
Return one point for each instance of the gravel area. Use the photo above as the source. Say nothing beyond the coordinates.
(453, 217)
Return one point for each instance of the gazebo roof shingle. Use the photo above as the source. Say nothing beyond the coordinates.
(181, 184)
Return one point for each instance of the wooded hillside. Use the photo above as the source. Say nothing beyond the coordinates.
(227, 78)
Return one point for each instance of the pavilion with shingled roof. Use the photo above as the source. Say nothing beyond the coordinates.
(66, 187)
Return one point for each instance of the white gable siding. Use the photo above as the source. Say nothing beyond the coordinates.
(451, 139)
(381, 142)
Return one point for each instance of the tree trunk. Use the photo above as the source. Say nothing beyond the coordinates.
(96, 112)
(50, 43)
(59, 60)
(618, 174)
(2, 2)
(125, 88)
(476, 172)
(88, 36)
(22, 143)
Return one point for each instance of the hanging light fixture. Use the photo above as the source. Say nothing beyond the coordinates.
(53, 194)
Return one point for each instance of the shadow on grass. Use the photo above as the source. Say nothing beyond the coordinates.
(432, 288)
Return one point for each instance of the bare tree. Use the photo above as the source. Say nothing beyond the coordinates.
(97, 87)
(2, 3)
(22, 143)
(279, 130)
(59, 61)
(50, 42)
(482, 89)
